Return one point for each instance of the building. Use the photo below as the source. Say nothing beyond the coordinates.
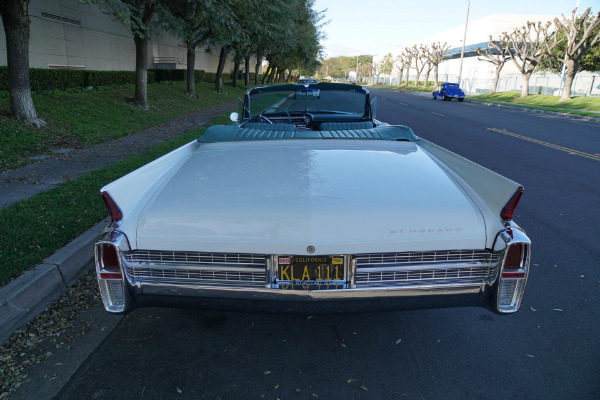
(478, 75)
(69, 34)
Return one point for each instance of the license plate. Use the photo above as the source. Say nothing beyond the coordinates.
(311, 270)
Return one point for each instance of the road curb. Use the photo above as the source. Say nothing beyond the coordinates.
(29, 295)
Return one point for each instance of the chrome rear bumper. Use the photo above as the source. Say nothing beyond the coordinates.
(247, 282)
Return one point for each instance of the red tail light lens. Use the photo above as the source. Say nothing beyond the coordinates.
(113, 209)
(510, 206)
(109, 261)
(513, 267)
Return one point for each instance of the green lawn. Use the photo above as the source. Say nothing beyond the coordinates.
(35, 228)
(577, 105)
(83, 119)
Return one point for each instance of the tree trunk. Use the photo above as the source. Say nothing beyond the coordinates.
(416, 82)
(236, 67)
(272, 74)
(497, 78)
(140, 97)
(257, 68)
(571, 68)
(436, 76)
(247, 72)
(15, 18)
(427, 77)
(525, 90)
(222, 59)
(266, 75)
(191, 66)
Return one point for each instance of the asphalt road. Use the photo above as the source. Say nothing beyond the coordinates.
(550, 349)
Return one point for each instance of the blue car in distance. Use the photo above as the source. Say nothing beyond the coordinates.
(449, 91)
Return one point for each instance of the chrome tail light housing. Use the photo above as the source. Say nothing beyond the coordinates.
(514, 270)
(109, 270)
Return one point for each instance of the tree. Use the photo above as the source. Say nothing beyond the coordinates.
(376, 71)
(528, 48)
(407, 61)
(400, 63)
(137, 15)
(497, 53)
(295, 44)
(581, 34)
(387, 64)
(366, 70)
(193, 22)
(15, 17)
(418, 56)
(436, 56)
(427, 55)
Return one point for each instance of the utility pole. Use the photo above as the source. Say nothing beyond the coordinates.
(462, 52)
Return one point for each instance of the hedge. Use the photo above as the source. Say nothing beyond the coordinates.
(51, 79)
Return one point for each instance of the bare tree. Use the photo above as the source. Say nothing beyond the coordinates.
(580, 38)
(366, 71)
(497, 53)
(407, 61)
(15, 17)
(419, 59)
(400, 63)
(435, 56)
(375, 72)
(386, 65)
(528, 47)
(426, 51)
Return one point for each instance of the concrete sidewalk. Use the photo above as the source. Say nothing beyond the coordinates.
(65, 164)
(28, 295)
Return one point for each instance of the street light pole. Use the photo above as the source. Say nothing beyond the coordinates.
(462, 52)
(357, 69)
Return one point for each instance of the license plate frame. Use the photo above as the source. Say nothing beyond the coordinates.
(311, 272)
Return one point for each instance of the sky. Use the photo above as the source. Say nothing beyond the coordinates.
(379, 26)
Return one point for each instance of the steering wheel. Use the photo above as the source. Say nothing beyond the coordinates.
(261, 116)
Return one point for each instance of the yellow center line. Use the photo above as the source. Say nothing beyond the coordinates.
(433, 112)
(553, 146)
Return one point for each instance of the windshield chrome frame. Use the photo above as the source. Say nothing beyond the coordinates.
(367, 115)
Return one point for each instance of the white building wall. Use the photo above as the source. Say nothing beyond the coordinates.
(92, 40)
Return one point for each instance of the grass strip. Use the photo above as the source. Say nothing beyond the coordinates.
(574, 112)
(586, 106)
(82, 119)
(35, 228)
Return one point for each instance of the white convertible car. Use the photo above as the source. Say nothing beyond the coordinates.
(311, 205)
